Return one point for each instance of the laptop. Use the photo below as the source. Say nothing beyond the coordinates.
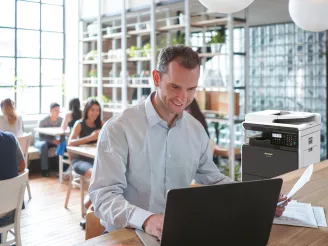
(228, 214)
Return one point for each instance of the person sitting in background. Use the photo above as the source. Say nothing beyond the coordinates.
(73, 115)
(10, 121)
(86, 131)
(44, 142)
(195, 111)
(11, 162)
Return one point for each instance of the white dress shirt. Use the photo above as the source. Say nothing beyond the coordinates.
(139, 158)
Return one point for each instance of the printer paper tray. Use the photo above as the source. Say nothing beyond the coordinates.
(267, 163)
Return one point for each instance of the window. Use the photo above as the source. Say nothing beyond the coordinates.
(288, 71)
(32, 53)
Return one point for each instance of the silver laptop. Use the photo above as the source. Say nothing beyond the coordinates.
(147, 239)
(228, 214)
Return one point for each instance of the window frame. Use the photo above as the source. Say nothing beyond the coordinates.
(40, 58)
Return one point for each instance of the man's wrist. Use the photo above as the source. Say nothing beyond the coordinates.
(146, 222)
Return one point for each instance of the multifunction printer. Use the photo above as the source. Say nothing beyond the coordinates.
(278, 142)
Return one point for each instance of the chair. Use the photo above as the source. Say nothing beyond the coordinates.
(61, 165)
(13, 191)
(77, 181)
(24, 142)
(93, 228)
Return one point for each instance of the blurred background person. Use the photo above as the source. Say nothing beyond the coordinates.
(86, 131)
(73, 114)
(10, 121)
(44, 142)
(195, 111)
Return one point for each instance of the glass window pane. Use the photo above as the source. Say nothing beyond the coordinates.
(57, 2)
(28, 71)
(8, 92)
(28, 100)
(28, 15)
(51, 72)
(52, 45)
(49, 95)
(28, 43)
(7, 71)
(52, 18)
(7, 13)
(7, 42)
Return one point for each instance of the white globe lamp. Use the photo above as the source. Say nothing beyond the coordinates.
(226, 6)
(310, 15)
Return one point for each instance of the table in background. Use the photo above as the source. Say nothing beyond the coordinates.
(56, 132)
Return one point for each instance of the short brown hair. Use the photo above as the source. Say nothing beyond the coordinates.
(184, 55)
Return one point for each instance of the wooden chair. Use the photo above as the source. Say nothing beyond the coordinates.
(24, 142)
(12, 190)
(79, 181)
(93, 228)
(61, 165)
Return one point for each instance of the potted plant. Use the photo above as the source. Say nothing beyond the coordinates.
(226, 171)
(92, 29)
(217, 41)
(180, 39)
(92, 75)
(147, 50)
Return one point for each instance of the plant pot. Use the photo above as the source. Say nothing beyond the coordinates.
(181, 19)
(93, 80)
(92, 29)
(216, 47)
(142, 26)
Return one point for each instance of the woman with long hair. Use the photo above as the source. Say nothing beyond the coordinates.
(86, 131)
(195, 111)
(10, 121)
(73, 115)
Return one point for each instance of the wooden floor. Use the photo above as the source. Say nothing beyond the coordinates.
(45, 221)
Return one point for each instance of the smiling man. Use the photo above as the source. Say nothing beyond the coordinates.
(152, 148)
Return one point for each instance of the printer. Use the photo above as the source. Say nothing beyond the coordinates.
(278, 142)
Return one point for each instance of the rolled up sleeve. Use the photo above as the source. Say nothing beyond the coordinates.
(108, 180)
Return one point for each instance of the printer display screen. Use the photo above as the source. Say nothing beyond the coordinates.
(276, 135)
(284, 139)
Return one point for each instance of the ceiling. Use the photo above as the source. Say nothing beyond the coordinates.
(260, 11)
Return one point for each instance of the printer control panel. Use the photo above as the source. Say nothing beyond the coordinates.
(284, 139)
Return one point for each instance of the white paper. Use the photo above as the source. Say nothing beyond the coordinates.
(300, 183)
(320, 217)
(297, 214)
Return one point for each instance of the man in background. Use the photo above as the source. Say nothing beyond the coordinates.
(44, 142)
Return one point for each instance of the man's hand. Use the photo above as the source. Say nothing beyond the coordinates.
(153, 225)
(280, 209)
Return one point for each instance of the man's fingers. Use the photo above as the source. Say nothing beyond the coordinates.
(279, 211)
(159, 234)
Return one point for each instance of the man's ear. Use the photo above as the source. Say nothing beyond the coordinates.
(156, 78)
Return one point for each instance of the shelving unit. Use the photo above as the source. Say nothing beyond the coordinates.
(123, 75)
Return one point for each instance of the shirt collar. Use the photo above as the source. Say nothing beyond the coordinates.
(152, 116)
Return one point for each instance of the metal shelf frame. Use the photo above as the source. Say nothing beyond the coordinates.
(203, 24)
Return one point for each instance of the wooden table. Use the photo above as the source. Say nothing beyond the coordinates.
(88, 150)
(51, 131)
(56, 132)
(314, 192)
